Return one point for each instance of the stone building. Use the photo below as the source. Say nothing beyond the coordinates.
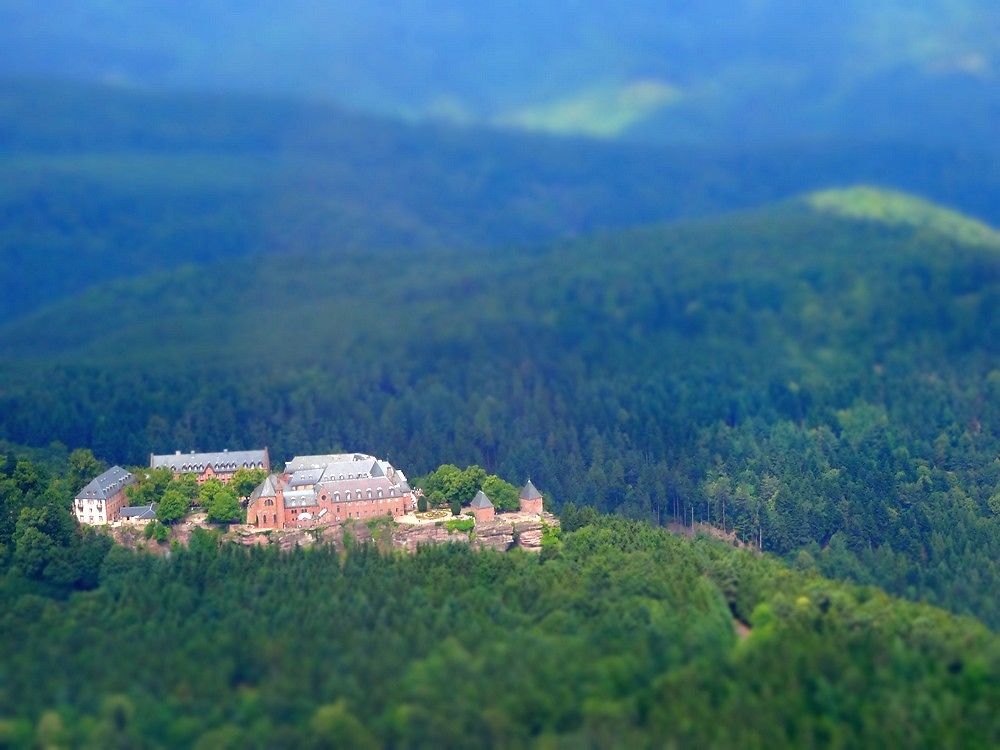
(221, 465)
(329, 488)
(102, 500)
(138, 513)
(531, 499)
(482, 508)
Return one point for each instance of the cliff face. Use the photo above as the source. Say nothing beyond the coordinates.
(500, 534)
(503, 533)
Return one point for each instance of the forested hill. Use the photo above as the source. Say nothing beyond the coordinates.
(616, 635)
(820, 377)
(99, 183)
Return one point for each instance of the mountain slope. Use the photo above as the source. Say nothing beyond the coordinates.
(897, 209)
(738, 70)
(618, 634)
(821, 385)
(99, 183)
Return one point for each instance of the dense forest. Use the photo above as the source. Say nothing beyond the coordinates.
(100, 183)
(720, 278)
(617, 635)
(819, 377)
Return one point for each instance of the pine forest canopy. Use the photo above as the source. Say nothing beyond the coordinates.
(616, 634)
(721, 277)
(814, 376)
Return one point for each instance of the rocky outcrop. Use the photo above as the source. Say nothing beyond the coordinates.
(497, 534)
(505, 532)
(529, 536)
(295, 538)
(411, 537)
(253, 540)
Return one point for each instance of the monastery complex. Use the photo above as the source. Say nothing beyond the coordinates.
(328, 489)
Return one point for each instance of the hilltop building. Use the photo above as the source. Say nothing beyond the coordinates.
(102, 500)
(221, 465)
(482, 508)
(531, 499)
(329, 488)
(138, 513)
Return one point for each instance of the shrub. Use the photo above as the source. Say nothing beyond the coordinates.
(459, 524)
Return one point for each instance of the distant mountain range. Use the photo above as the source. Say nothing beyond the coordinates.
(99, 183)
(713, 72)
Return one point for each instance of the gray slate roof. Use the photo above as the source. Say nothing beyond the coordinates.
(219, 461)
(528, 492)
(139, 512)
(305, 477)
(106, 485)
(300, 498)
(322, 461)
(481, 501)
(264, 489)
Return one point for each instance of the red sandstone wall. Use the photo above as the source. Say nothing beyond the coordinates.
(484, 514)
(532, 506)
(114, 505)
(279, 517)
(265, 516)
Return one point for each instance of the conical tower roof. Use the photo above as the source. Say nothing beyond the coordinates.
(529, 492)
(481, 501)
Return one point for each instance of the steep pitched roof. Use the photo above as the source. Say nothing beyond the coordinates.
(264, 489)
(481, 501)
(529, 492)
(219, 461)
(106, 485)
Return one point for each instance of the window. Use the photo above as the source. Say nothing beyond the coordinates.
(380, 493)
